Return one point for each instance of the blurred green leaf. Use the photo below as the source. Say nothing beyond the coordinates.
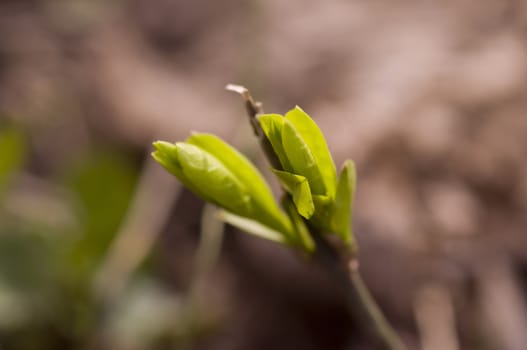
(30, 284)
(12, 154)
(24, 260)
(14, 307)
(103, 183)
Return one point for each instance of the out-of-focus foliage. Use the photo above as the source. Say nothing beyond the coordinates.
(52, 238)
(12, 153)
(56, 228)
(103, 183)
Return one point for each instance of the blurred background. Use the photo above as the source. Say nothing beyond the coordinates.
(100, 249)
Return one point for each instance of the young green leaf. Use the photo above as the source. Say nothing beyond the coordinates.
(272, 125)
(301, 158)
(302, 237)
(213, 178)
(166, 154)
(264, 205)
(298, 187)
(236, 163)
(341, 218)
(323, 211)
(316, 143)
(221, 175)
(253, 227)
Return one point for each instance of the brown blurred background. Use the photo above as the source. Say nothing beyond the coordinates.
(100, 249)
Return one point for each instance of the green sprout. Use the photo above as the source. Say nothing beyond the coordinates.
(308, 172)
(219, 174)
(317, 204)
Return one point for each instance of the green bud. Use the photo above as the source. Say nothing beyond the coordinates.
(263, 204)
(272, 125)
(166, 154)
(341, 217)
(301, 149)
(316, 143)
(301, 158)
(308, 172)
(212, 177)
(219, 174)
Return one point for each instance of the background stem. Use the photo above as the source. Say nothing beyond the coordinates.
(369, 310)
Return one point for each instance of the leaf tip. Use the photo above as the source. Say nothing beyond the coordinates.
(163, 145)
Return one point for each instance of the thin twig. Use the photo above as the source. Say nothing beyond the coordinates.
(253, 110)
(370, 311)
(342, 267)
